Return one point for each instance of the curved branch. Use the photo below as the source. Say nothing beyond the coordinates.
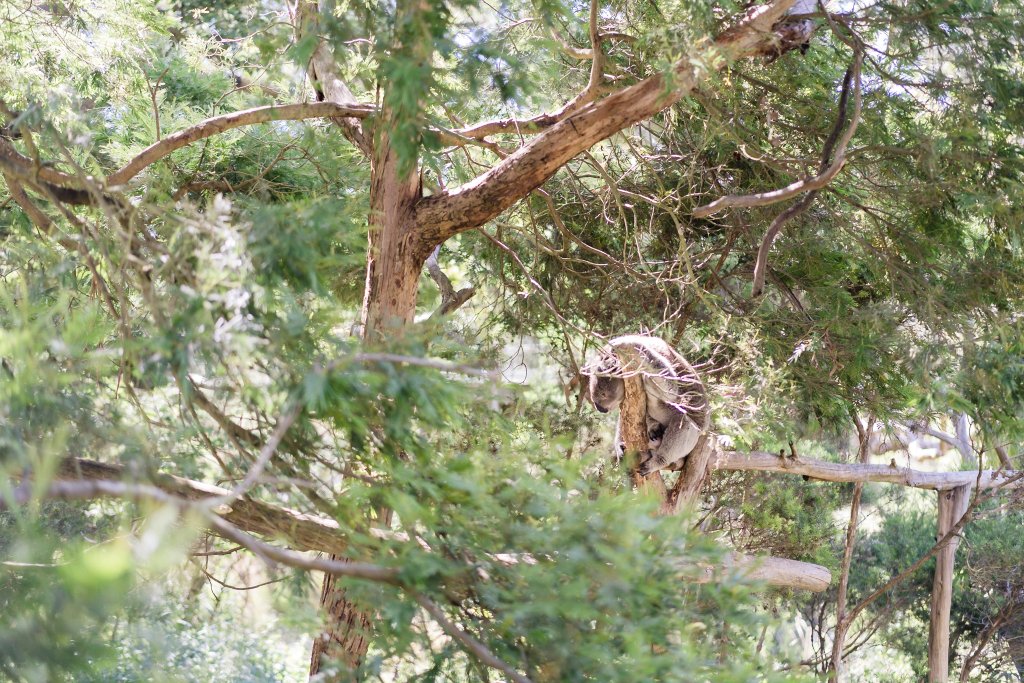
(219, 124)
(807, 184)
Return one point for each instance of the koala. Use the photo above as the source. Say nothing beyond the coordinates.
(677, 406)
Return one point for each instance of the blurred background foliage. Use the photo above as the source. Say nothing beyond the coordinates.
(174, 347)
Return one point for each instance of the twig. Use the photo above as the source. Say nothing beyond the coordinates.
(468, 642)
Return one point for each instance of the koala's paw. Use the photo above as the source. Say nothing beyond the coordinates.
(648, 464)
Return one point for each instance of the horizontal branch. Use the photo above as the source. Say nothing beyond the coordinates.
(773, 571)
(237, 119)
(312, 533)
(849, 472)
(443, 215)
(67, 188)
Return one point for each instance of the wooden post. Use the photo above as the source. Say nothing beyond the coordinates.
(952, 505)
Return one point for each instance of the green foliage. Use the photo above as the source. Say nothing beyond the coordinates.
(168, 333)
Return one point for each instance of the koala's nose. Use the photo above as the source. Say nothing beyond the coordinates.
(600, 409)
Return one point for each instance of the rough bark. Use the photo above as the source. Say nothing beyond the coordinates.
(952, 506)
(693, 474)
(633, 426)
(392, 278)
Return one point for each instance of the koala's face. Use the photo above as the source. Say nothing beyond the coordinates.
(607, 392)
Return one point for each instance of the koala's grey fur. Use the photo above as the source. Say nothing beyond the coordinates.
(677, 404)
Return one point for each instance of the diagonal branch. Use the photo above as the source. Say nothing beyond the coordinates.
(441, 216)
(450, 299)
(272, 554)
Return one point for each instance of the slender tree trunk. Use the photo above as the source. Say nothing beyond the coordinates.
(952, 505)
(842, 622)
(393, 261)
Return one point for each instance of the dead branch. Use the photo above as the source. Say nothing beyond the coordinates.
(450, 299)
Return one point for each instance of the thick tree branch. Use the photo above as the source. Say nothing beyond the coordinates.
(441, 216)
(85, 489)
(886, 474)
(219, 124)
(48, 181)
(298, 530)
(772, 571)
(320, 534)
(39, 219)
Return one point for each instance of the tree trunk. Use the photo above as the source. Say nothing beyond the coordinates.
(633, 431)
(952, 505)
(393, 263)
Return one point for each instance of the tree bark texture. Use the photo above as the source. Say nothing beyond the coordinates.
(389, 303)
(952, 506)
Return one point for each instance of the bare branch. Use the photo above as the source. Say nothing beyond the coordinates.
(266, 453)
(219, 124)
(773, 571)
(450, 299)
(469, 643)
(299, 530)
(842, 623)
(890, 474)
